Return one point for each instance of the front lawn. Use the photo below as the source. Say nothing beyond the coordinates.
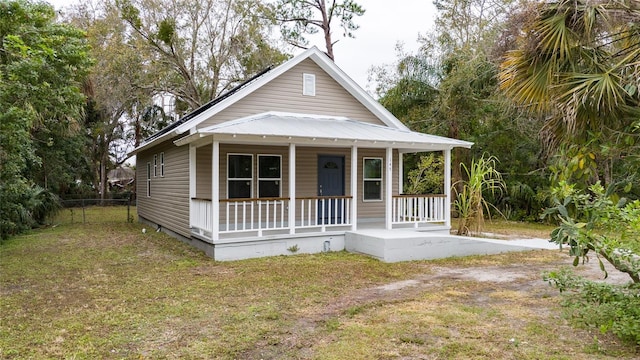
(106, 290)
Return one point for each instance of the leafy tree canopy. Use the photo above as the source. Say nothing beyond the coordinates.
(200, 49)
(304, 17)
(576, 64)
(42, 64)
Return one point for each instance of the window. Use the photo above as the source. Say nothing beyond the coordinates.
(309, 84)
(155, 165)
(162, 164)
(372, 178)
(239, 175)
(269, 175)
(148, 179)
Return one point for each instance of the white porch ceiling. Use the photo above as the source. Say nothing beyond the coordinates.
(320, 130)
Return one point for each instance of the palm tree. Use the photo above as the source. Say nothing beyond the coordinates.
(578, 64)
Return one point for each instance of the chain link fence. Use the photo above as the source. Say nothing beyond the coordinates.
(94, 211)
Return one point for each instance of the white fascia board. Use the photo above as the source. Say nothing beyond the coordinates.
(356, 91)
(310, 141)
(258, 83)
(151, 143)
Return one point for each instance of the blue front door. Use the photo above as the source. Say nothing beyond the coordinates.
(330, 183)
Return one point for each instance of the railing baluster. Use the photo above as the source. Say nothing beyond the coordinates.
(259, 215)
(244, 215)
(227, 216)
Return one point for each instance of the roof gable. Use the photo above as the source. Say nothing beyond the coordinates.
(192, 120)
(285, 94)
(325, 64)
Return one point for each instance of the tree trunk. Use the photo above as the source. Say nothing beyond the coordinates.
(103, 178)
(326, 28)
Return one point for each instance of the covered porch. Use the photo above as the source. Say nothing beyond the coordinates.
(310, 176)
(281, 216)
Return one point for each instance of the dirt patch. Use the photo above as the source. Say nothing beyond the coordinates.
(486, 286)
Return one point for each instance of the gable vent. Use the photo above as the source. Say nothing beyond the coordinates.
(309, 84)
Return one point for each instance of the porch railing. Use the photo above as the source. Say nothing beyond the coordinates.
(201, 215)
(238, 215)
(323, 211)
(417, 209)
(254, 214)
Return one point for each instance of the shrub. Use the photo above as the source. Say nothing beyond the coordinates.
(470, 203)
(607, 307)
(598, 221)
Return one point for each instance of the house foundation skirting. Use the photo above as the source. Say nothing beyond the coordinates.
(247, 248)
(196, 242)
(385, 245)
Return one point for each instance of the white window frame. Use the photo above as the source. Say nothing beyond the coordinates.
(162, 164)
(365, 179)
(155, 165)
(229, 179)
(148, 179)
(308, 84)
(279, 178)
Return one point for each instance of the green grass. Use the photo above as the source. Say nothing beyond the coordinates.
(106, 290)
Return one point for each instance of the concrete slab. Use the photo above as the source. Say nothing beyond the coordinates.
(399, 245)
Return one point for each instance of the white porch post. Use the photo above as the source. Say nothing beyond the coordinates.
(292, 188)
(447, 187)
(354, 188)
(215, 190)
(192, 182)
(388, 189)
(400, 173)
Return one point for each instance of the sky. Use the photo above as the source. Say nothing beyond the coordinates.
(384, 23)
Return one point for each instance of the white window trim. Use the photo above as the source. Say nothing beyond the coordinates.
(155, 165)
(364, 179)
(279, 179)
(148, 179)
(240, 179)
(162, 164)
(308, 90)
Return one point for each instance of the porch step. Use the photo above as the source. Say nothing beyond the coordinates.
(406, 245)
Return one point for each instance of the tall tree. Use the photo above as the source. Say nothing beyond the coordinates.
(450, 88)
(454, 71)
(42, 64)
(116, 89)
(576, 64)
(300, 17)
(201, 48)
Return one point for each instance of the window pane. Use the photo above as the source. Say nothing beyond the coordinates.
(161, 164)
(269, 167)
(239, 189)
(239, 166)
(372, 190)
(269, 188)
(372, 168)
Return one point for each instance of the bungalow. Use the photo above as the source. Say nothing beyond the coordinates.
(297, 159)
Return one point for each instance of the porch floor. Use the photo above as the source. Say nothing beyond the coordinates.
(417, 244)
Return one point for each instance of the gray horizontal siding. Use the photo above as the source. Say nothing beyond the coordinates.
(284, 93)
(168, 204)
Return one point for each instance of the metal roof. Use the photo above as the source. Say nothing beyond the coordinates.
(307, 129)
(192, 120)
